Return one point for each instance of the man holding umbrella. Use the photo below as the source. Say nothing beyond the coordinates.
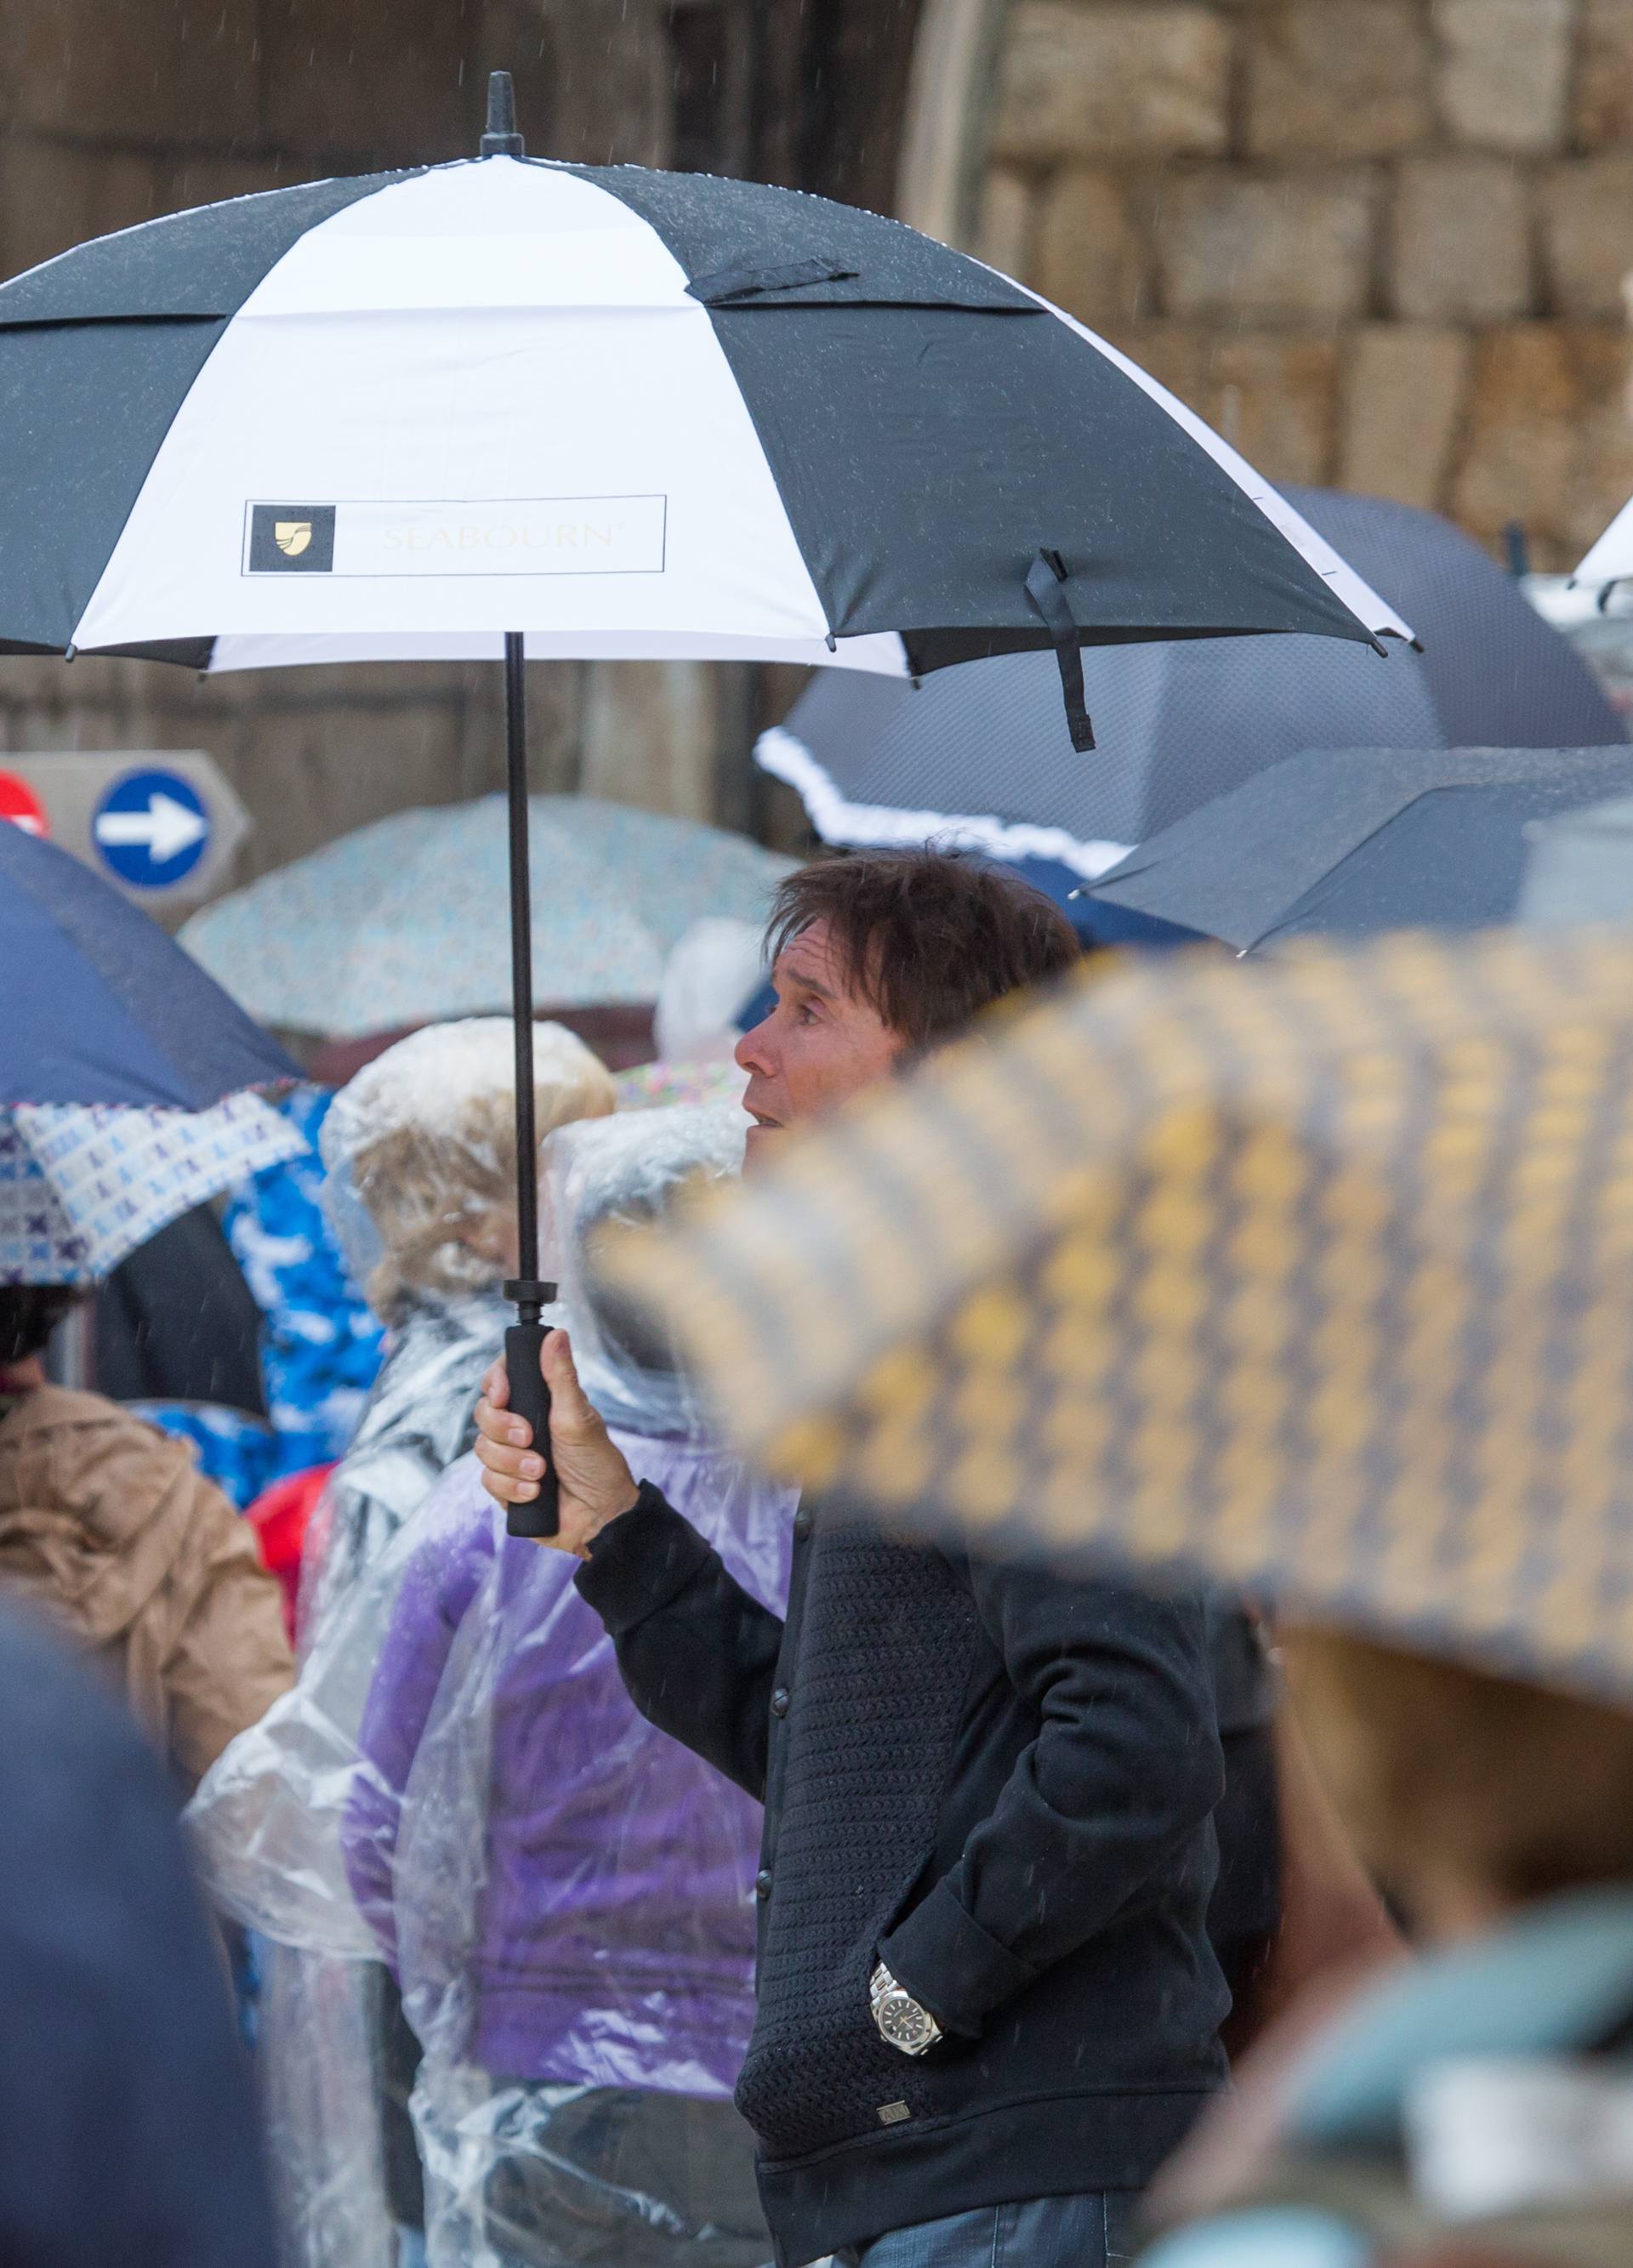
(1332, 1250)
(988, 2008)
(817, 437)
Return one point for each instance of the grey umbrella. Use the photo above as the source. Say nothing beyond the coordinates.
(1352, 841)
(982, 752)
(1579, 867)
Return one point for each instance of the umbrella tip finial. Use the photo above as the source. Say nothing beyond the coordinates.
(501, 139)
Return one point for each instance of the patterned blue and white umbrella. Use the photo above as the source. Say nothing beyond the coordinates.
(82, 1184)
(387, 926)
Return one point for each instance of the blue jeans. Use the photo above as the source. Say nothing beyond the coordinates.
(1095, 2230)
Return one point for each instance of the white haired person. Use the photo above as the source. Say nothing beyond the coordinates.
(421, 1152)
(566, 1895)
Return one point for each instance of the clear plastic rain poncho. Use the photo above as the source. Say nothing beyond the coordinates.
(565, 1896)
(420, 1153)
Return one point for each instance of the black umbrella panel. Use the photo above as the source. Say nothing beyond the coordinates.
(1353, 841)
(520, 410)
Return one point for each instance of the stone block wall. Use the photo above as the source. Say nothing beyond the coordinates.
(1379, 243)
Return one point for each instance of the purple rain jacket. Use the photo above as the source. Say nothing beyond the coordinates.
(610, 1938)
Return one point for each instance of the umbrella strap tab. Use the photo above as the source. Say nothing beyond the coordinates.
(1046, 587)
(729, 283)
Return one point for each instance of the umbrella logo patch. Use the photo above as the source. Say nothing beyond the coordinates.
(285, 539)
(437, 537)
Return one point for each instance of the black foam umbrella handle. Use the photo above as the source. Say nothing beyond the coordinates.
(529, 1399)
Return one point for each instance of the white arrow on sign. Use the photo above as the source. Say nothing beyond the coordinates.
(166, 827)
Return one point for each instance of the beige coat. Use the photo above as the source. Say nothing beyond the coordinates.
(109, 1528)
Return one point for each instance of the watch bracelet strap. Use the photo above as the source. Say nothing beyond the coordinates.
(881, 1983)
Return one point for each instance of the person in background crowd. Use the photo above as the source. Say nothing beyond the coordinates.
(1475, 2108)
(108, 1528)
(986, 2007)
(567, 1897)
(313, 1345)
(176, 1322)
(421, 1152)
(127, 2129)
(1293, 1909)
(319, 1343)
(420, 1148)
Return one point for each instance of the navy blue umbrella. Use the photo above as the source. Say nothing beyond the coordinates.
(101, 1007)
(1096, 924)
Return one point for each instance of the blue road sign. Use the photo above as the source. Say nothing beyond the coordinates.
(151, 829)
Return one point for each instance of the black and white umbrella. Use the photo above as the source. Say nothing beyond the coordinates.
(509, 406)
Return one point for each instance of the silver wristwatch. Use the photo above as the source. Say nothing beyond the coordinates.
(901, 2022)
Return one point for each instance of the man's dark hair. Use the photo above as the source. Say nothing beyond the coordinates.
(29, 1313)
(930, 937)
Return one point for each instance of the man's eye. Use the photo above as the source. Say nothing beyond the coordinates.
(806, 1012)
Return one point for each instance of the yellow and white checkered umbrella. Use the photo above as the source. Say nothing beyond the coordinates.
(1317, 1274)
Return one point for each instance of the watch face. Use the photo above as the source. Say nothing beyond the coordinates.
(903, 2022)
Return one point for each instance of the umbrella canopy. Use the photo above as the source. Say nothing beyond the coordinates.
(82, 1186)
(615, 411)
(1311, 1273)
(101, 1007)
(122, 1071)
(515, 408)
(383, 928)
(981, 755)
(1354, 840)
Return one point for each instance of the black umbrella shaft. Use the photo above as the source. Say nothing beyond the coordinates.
(521, 965)
(524, 1341)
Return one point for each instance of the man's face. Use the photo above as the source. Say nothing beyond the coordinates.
(822, 1043)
